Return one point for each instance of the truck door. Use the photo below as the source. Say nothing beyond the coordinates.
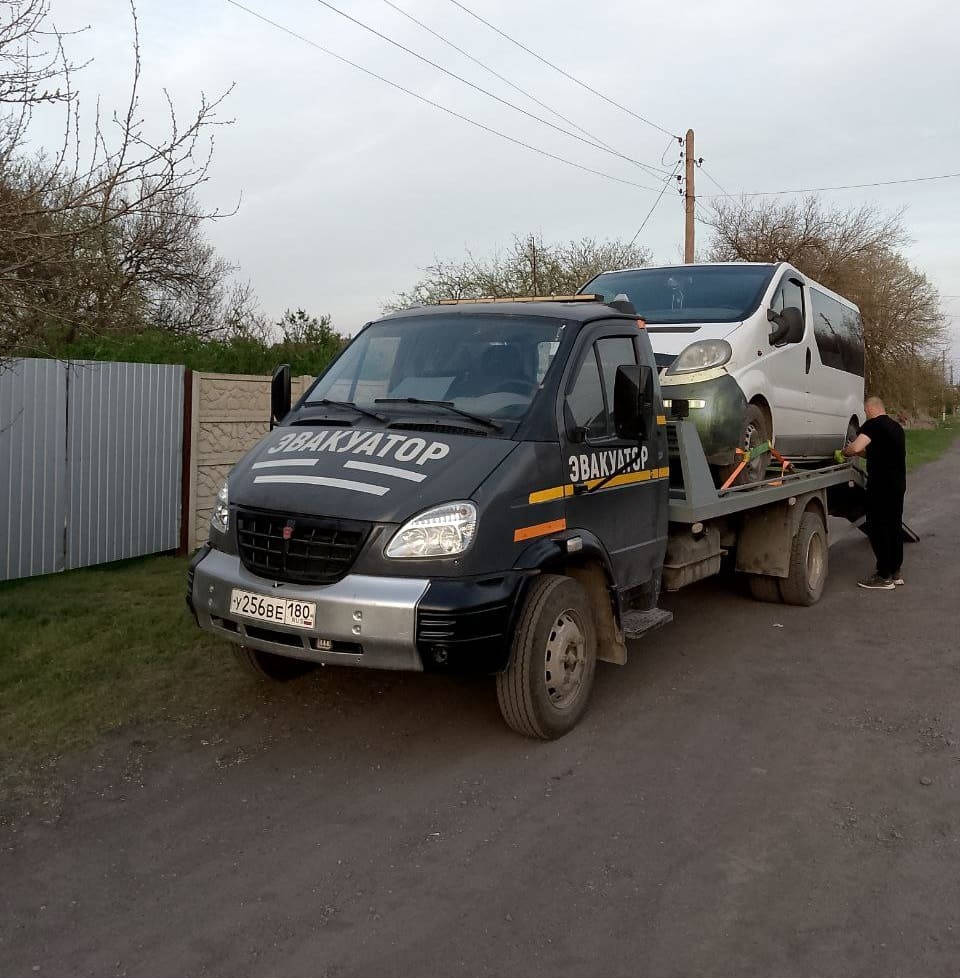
(629, 514)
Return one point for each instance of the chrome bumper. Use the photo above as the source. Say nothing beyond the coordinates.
(371, 619)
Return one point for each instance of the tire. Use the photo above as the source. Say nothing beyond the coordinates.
(754, 431)
(809, 561)
(765, 588)
(268, 665)
(556, 623)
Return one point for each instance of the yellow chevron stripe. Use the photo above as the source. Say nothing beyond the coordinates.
(617, 482)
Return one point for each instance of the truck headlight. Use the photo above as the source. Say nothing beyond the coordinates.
(443, 531)
(220, 517)
(702, 355)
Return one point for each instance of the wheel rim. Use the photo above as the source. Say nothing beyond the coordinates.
(753, 436)
(565, 660)
(816, 561)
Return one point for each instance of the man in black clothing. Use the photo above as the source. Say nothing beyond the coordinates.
(881, 441)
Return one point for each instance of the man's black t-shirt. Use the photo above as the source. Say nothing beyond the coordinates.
(886, 454)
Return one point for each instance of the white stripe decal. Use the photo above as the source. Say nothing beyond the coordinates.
(319, 480)
(386, 470)
(282, 463)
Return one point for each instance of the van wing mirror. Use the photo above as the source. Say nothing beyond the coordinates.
(279, 394)
(633, 401)
(788, 326)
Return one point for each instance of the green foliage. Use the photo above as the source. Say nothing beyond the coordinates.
(927, 444)
(308, 344)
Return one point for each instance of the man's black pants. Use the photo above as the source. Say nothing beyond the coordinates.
(885, 528)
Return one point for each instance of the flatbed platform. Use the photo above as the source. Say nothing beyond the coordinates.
(696, 499)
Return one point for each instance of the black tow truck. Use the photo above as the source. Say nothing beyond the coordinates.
(491, 487)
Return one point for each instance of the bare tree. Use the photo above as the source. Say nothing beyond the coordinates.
(105, 232)
(527, 267)
(857, 253)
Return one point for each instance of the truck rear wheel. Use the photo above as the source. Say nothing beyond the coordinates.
(545, 689)
(809, 558)
(267, 665)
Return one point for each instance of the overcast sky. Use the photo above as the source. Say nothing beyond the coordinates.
(349, 187)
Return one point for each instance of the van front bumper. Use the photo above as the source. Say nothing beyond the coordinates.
(719, 421)
(361, 620)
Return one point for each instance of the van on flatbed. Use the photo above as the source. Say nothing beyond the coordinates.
(491, 487)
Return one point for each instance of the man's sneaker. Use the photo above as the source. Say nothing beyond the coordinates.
(897, 580)
(877, 582)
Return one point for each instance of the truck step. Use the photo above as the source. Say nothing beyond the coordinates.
(638, 623)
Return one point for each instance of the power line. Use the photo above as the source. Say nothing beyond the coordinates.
(566, 74)
(505, 80)
(643, 223)
(480, 88)
(437, 105)
(847, 186)
(716, 183)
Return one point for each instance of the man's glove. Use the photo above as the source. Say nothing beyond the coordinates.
(839, 457)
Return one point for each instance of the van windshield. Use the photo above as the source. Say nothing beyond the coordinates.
(488, 365)
(688, 293)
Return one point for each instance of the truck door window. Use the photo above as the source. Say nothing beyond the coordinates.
(613, 352)
(585, 398)
(591, 397)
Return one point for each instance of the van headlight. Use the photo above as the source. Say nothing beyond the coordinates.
(220, 517)
(703, 355)
(443, 531)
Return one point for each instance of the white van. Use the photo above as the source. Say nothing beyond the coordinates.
(759, 352)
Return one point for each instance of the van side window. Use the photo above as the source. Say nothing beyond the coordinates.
(788, 294)
(591, 397)
(839, 333)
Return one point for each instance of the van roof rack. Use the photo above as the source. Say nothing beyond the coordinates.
(523, 298)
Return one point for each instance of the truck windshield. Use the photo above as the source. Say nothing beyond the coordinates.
(688, 293)
(490, 366)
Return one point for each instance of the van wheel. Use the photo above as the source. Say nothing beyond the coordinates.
(754, 431)
(545, 689)
(765, 588)
(809, 559)
(267, 665)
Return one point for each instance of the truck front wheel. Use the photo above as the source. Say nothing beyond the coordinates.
(545, 689)
(267, 665)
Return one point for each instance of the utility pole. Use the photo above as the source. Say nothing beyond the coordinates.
(943, 385)
(688, 239)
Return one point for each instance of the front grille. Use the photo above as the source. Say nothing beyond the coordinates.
(317, 550)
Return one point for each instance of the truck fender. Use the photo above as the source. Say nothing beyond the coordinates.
(588, 564)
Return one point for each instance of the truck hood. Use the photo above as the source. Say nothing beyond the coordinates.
(675, 339)
(381, 475)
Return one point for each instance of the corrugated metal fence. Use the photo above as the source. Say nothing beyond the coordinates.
(90, 463)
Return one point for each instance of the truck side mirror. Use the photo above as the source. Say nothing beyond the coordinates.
(633, 401)
(279, 394)
(788, 326)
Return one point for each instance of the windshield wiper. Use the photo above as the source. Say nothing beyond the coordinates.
(326, 402)
(449, 405)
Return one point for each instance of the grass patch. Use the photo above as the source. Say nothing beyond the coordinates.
(927, 444)
(90, 650)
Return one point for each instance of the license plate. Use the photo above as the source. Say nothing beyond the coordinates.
(277, 611)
